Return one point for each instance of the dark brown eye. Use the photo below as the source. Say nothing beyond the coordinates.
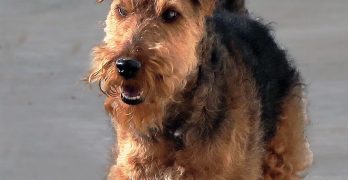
(170, 16)
(122, 11)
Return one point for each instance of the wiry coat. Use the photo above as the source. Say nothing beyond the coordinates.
(239, 114)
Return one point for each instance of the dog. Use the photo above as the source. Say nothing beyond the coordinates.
(198, 89)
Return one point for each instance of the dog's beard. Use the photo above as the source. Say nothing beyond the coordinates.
(141, 101)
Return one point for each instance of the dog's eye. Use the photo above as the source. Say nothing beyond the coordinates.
(122, 11)
(170, 16)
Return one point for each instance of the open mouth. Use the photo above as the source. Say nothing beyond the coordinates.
(131, 95)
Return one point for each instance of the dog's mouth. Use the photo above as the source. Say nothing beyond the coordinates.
(131, 95)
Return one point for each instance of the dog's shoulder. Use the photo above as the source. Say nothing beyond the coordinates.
(272, 69)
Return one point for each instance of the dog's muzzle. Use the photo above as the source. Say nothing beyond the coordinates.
(128, 68)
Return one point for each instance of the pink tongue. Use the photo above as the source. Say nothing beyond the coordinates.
(131, 91)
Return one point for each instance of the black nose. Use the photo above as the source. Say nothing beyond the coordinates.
(127, 67)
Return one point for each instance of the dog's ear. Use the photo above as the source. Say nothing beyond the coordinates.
(99, 1)
(236, 6)
(207, 6)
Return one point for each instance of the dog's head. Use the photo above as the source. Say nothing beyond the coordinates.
(150, 48)
(150, 51)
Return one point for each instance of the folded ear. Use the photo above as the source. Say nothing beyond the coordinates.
(236, 6)
(207, 6)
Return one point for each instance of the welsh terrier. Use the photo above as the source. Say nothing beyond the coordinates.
(198, 89)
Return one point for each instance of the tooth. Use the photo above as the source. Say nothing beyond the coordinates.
(131, 97)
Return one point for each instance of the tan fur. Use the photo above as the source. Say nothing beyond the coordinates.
(227, 157)
(288, 154)
(155, 54)
(169, 55)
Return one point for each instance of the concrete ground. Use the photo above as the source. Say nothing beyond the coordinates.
(52, 125)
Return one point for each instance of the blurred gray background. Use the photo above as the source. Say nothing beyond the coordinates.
(53, 126)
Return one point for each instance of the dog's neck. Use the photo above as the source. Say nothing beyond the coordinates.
(178, 114)
(198, 110)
